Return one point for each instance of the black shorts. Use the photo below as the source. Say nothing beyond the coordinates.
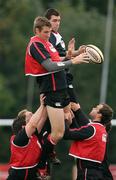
(20, 174)
(72, 94)
(89, 170)
(57, 99)
(89, 174)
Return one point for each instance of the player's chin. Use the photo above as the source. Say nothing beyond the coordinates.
(56, 29)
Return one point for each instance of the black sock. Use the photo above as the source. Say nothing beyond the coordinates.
(47, 148)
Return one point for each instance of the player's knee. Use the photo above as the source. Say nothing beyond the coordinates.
(58, 135)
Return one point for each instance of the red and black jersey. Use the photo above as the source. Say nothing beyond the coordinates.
(57, 41)
(45, 50)
(27, 156)
(48, 81)
(92, 148)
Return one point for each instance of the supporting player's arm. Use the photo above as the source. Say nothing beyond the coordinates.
(33, 122)
(78, 134)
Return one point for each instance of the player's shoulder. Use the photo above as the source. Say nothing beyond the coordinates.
(56, 35)
(53, 35)
(37, 45)
(53, 38)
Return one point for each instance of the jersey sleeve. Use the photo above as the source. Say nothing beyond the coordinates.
(39, 52)
(81, 118)
(79, 133)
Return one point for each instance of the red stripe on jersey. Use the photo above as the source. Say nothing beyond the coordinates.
(39, 51)
(53, 82)
(78, 129)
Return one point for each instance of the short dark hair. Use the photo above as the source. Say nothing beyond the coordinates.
(107, 113)
(19, 121)
(108, 126)
(40, 22)
(50, 12)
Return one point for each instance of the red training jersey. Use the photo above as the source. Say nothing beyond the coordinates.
(93, 148)
(48, 81)
(28, 156)
(34, 68)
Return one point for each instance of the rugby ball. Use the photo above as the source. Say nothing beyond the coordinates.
(95, 54)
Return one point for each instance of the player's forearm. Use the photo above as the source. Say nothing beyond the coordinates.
(55, 66)
(37, 116)
(33, 122)
(50, 66)
(42, 120)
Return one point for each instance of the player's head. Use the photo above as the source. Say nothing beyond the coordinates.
(102, 113)
(108, 126)
(54, 17)
(42, 27)
(68, 114)
(107, 113)
(21, 120)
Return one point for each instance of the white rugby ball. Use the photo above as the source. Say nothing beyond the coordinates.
(95, 54)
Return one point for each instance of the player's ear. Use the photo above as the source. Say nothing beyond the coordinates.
(37, 30)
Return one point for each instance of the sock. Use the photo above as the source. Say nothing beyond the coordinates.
(47, 148)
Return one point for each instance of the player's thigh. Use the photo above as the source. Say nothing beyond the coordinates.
(56, 117)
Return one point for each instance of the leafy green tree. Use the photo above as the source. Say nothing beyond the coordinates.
(7, 100)
(16, 27)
